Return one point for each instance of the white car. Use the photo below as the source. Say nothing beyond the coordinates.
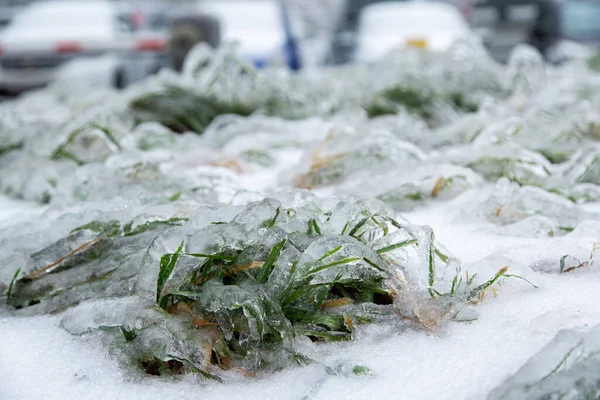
(383, 27)
(259, 27)
(47, 35)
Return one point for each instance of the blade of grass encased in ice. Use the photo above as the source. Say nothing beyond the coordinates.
(453, 288)
(372, 264)
(382, 226)
(313, 227)
(357, 227)
(329, 253)
(431, 263)
(167, 263)
(561, 363)
(343, 261)
(395, 246)
(285, 293)
(266, 269)
(471, 279)
(271, 221)
(441, 255)
(345, 228)
(11, 284)
(289, 298)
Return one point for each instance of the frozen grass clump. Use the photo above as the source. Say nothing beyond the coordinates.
(510, 203)
(167, 235)
(567, 367)
(232, 294)
(522, 122)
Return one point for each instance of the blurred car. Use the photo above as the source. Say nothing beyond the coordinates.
(47, 35)
(426, 25)
(345, 39)
(260, 27)
(566, 30)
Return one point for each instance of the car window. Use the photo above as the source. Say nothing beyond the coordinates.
(580, 20)
(61, 15)
(410, 17)
(238, 18)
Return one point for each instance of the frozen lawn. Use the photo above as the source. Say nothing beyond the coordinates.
(456, 361)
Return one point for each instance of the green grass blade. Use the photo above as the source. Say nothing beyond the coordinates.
(358, 226)
(129, 334)
(301, 291)
(267, 268)
(382, 226)
(346, 260)
(442, 256)
(345, 228)
(329, 253)
(12, 282)
(562, 263)
(395, 246)
(471, 279)
(431, 263)
(167, 264)
(290, 284)
(175, 197)
(453, 288)
(271, 221)
(475, 292)
(313, 227)
(372, 264)
(561, 363)
(520, 277)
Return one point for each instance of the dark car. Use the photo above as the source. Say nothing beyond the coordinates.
(566, 29)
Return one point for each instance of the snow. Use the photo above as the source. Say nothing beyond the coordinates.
(459, 360)
(12, 210)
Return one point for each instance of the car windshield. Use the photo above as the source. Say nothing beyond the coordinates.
(398, 18)
(580, 20)
(64, 14)
(240, 18)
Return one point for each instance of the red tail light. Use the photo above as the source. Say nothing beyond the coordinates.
(151, 45)
(68, 47)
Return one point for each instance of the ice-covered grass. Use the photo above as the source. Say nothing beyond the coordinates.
(160, 241)
(459, 360)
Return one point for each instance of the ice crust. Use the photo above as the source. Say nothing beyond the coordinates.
(501, 162)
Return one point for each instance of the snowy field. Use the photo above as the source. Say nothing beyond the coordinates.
(500, 162)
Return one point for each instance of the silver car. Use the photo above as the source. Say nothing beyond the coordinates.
(46, 35)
